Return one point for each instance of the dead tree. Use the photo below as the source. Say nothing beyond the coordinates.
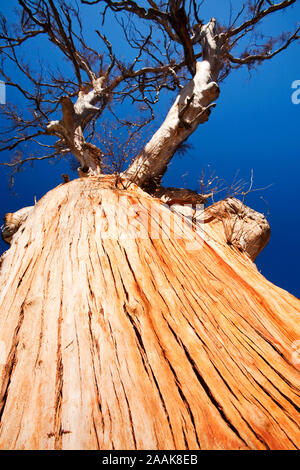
(125, 340)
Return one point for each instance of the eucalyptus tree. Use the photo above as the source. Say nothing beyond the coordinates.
(118, 329)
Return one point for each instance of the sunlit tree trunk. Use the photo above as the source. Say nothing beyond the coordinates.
(108, 341)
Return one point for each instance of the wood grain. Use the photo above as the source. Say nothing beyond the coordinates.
(140, 343)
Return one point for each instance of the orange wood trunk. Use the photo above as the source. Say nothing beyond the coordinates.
(140, 343)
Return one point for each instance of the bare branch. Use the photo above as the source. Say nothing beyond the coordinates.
(259, 14)
(252, 58)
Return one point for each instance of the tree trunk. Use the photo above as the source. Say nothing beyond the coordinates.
(109, 341)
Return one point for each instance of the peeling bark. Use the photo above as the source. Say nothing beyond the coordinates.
(180, 196)
(191, 108)
(140, 343)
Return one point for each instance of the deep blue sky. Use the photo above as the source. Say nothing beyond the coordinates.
(254, 126)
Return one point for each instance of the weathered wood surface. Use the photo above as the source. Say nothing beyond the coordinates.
(140, 343)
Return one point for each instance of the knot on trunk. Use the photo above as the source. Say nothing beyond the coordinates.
(244, 228)
(13, 221)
